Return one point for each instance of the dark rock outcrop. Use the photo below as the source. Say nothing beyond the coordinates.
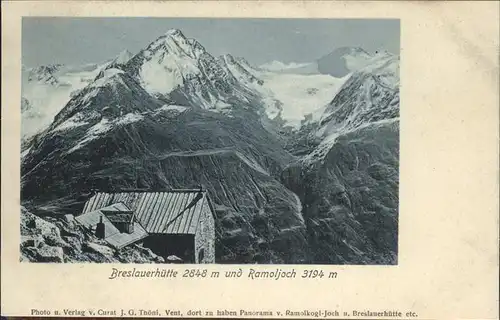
(351, 198)
(60, 240)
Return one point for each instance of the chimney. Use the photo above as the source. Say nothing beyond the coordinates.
(130, 228)
(100, 229)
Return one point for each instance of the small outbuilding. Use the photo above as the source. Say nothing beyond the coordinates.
(176, 222)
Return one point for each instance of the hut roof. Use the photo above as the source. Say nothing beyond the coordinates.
(111, 234)
(165, 211)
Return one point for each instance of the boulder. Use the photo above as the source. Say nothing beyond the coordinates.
(48, 253)
(31, 241)
(136, 253)
(174, 259)
(69, 219)
(46, 228)
(105, 251)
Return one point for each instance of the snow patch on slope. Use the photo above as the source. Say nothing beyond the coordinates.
(172, 107)
(298, 207)
(160, 79)
(104, 126)
(25, 152)
(71, 123)
(331, 138)
(107, 78)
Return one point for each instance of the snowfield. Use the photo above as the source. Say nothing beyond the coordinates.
(45, 101)
(48, 98)
(301, 95)
(48, 92)
(277, 66)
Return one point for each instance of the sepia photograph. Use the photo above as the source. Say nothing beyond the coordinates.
(210, 140)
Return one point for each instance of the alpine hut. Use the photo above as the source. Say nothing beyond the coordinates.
(175, 222)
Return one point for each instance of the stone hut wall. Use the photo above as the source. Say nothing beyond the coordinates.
(205, 236)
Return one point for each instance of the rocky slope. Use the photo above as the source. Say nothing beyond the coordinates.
(287, 188)
(64, 240)
(350, 197)
(348, 175)
(179, 148)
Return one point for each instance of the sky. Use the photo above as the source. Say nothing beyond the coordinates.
(76, 41)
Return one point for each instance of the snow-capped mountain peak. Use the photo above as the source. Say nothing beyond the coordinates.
(239, 68)
(174, 32)
(174, 42)
(44, 74)
(167, 62)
